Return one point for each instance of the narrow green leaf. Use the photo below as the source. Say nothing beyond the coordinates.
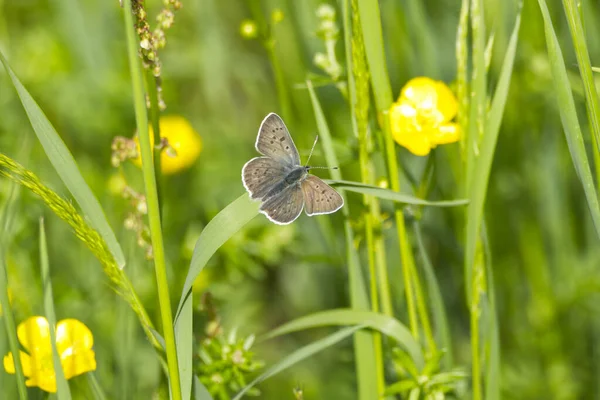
(65, 166)
(568, 116)
(493, 374)
(299, 355)
(8, 317)
(364, 348)
(478, 186)
(585, 69)
(372, 33)
(387, 194)
(62, 387)
(387, 325)
(440, 317)
(400, 387)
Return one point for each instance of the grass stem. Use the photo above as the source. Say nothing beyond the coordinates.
(154, 218)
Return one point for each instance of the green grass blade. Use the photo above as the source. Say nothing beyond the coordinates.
(387, 325)
(374, 49)
(492, 374)
(62, 387)
(387, 194)
(568, 116)
(364, 348)
(65, 166)
(200, 392)
(8, 317)
(223, 226)
(478, 186)
(299, 355)
(585, 69)
(180, 385)
(440, 317)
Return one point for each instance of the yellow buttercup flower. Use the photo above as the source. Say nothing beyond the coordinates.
(421, 118)
(184, 144)
(74, 343)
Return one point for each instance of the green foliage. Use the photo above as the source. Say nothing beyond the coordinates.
(469, 273)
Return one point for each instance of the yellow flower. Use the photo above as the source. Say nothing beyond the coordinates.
(74, 343)
(420, 119)
(184, 144)
(248, 29)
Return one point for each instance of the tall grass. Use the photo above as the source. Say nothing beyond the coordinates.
(439, 269)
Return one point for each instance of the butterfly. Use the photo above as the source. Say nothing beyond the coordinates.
(279, 180)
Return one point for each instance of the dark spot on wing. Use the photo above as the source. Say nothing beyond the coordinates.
(281, 139)
(287, 147)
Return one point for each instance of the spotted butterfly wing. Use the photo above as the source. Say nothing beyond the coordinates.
(284, 207)
(274, 141)
(261, 174)
(319, 197)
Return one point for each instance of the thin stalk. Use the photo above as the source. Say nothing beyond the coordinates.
(8, 317)
(153, 205)
(152, 88)
(11, 330)
(62, 386)
(406, 255)
(462, 82)
(374, 51)
(282, 91)
(474, 270)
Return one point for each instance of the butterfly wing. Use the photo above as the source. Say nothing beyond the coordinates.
(284, 207)
(262, 174)
(319, 197)
(274, 141)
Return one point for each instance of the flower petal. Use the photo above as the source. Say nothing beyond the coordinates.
(420, 90)
(34, 335)
(78, 363)
(9, 363)
(446, 101)
(46, 382)
(446, 133)
(407, 131)
(72, 336)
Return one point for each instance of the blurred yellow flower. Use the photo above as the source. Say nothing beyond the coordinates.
(248, 29)
(184, 144)
(74, 343)
(420, 119)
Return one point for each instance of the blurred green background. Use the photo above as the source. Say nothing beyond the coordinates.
(71, 55)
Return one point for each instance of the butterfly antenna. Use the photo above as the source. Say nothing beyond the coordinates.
(310, 155)
(311, 150)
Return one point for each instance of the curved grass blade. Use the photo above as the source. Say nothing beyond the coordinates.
(387, 194)
(62, 387)
(299, 355)
(387, 325)
(65, 166)
(568, 116)
(224, 225)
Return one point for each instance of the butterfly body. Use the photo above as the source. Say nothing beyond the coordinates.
(280, 182)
